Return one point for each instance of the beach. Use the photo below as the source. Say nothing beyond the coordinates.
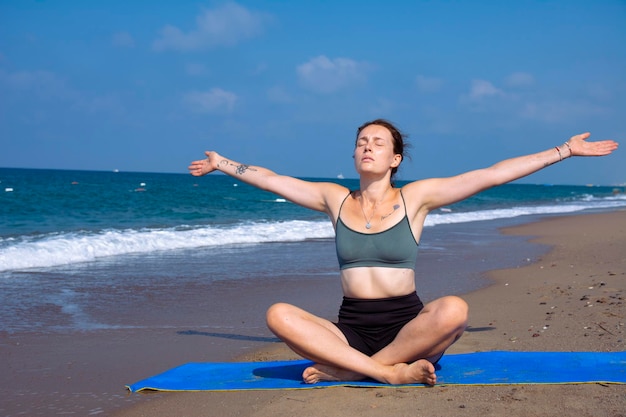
(570, 298)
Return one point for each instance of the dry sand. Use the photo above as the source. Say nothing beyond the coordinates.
(571, 299)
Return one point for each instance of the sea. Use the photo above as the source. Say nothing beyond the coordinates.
(85, 250)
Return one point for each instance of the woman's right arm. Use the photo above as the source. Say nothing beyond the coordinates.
(318, 196)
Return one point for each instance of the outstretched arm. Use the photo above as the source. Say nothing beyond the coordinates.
(312, 195)
(438, 192)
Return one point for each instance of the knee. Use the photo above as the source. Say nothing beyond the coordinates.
(458, 307)
(277, 315)
(454, 311)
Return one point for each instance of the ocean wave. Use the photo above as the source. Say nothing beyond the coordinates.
(448, 216)
(25, 252)
(70, 248)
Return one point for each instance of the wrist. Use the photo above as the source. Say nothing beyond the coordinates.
(567, 146)
(564, 151)
(214, 159)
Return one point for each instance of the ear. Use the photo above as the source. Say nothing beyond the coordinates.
(397, 159)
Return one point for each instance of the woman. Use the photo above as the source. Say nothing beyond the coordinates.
(383, 332)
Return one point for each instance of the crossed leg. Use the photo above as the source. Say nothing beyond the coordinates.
(408, 359)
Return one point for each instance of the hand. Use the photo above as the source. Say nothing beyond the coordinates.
(579, 146)
(203, 166)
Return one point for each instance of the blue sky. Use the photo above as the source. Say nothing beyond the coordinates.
(149, 85)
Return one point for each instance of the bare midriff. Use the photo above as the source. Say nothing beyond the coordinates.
(377, 282)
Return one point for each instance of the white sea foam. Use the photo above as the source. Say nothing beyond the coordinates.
(24, 252)
(588, 202)
(474, 216)
(70, 248)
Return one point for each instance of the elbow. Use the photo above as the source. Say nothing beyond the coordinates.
(495, 177)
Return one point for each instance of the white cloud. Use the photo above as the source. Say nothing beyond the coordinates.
(560, 110)
(196, 69)
(520, 79)
(42, 84)
(428, 84)
(214, 100)
(278, 94)
(484, 97)
(324, 75)
(48, 92)
(481, 88)
(382, 106)
(123, 40)
(226, 25)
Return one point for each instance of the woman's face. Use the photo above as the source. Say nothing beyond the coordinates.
(374, 150)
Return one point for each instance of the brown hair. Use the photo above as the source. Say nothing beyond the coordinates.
(399, 144)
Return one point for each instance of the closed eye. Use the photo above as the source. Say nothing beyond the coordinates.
(377, 142)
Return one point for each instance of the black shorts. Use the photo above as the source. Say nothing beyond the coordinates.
(370, 325)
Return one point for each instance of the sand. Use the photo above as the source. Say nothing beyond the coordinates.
(570, 299)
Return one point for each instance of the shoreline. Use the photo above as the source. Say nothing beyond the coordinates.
(572, 298)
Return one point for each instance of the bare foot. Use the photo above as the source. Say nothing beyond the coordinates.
(317, 373)
(421, 371)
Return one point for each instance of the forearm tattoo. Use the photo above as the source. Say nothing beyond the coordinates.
(239, 169)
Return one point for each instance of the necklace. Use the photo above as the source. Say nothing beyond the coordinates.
(368, 224)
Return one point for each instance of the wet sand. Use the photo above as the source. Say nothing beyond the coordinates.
(570, 299)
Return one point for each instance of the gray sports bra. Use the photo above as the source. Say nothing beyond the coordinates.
(392, 248)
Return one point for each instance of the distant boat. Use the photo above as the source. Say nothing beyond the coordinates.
(340, 176)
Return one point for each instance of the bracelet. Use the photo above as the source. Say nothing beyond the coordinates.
(559, 151)
(569, 147)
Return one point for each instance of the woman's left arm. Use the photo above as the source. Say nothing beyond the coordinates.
(437, 192)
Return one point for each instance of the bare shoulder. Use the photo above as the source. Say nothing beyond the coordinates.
(415, 192)
(419, 196)
(335, 194)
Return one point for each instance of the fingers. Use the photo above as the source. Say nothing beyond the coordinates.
(196, 168)
(580, 147)
(201, 167)
(606, 147)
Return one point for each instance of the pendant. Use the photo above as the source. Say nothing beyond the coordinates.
(368, 225)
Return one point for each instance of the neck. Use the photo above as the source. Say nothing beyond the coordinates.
(375, 191)
(372, 197)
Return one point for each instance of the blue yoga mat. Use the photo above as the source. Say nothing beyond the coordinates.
(481, 368)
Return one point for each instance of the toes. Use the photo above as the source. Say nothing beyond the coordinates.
(309, 375)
